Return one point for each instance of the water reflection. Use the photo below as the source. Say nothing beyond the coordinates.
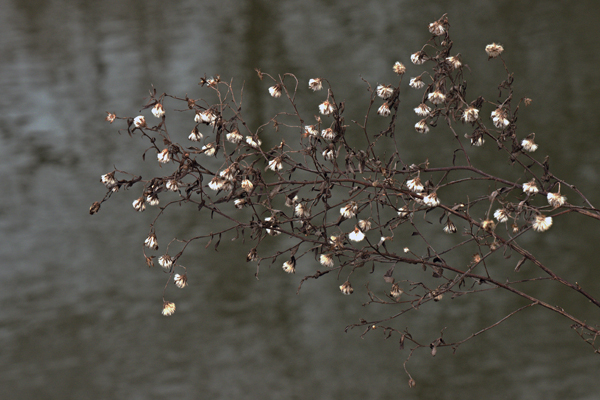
(80, 311)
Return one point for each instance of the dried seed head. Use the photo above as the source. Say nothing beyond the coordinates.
(326, 260)
(529, 144)
(139, 121)
(275, 91)
(326, 108)
(158, 111)
(349, 210)
(195, 136)
(471, 114)
(290, 266)
(437, 28)
(346, 288)
(423, 110)
(501, 215)
(541, 223)
(499, 118)
(493, 50)
(165, 261)
(234, 137)
(384, 110)
(110, 117)
(418, 58)
(385, 91)
(422, 126)
(436, 97)
(399, 68)
(356, 235)
(488, 225)
(416, 83)
(138, 204)
(450, 227)
(431, 200)
(180, 280)
(396, 292)
(315, 84)
(556, 199)
(530, 187)
(168, 308)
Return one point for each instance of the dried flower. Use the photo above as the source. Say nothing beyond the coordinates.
(501, 215)
(399, 68)
(437, 28)
(396, 292)
(403, 212)
(364, 225)
(329, 154)
(406, 250)
(315, 84)
(418, 58)
(247, 185)
(423, 110)
(328, 134)
(209, 149)
(195, 136)
(139, 204)
(356, 235)
(164, 156)
(239, 203)
(416, 83)
(326, 260)
(326, 108)
(180, 280)
(252, 255)
(273, 230)
(422, 126)
(493, 50)
(165, 261)
(276, 90)
(234, 137)
(541, 223)
(172, 185)
(384, 110)
(471, 114)
(450, 227)
(488, 225)
(530, 187)
(110, 117)
(385, 91)
(431, 200)
(109, 180)
(436, 97)
(151, 242)
(152, 199)
(206, 116)
(94, 208)
(556, 199)
(301, 211)
(311, 130)
(499, 118)
(415, 185)
(158, 111)
(349, 210)
(477, 141)
(290, 266)
(253, 143)
(454, 62)
(168, 308)
(139, 121)
(346, 288)
(529, 144)
(275, 164)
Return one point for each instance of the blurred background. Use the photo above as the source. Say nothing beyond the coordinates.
(80, 311)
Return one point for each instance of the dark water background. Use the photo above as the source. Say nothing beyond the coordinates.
(80, 312)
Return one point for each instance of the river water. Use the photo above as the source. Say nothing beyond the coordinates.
(80, 315)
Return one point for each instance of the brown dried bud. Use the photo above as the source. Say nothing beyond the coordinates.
(94, 208)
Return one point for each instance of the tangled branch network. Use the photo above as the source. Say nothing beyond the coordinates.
(340, 199)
